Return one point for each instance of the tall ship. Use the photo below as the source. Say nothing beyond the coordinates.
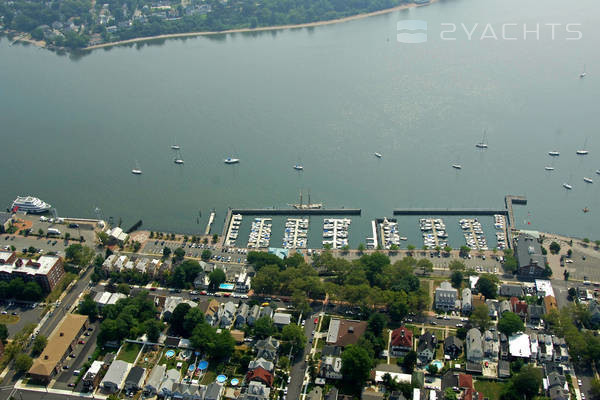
(307, 206)
(30, 204)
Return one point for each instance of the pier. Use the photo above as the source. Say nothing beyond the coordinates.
(449, 211)
(293, 211)
(210, 222)
(297, 237)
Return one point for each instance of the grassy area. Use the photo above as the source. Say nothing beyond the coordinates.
(60, 288)
(209, 377)
(490, 389)
(8, 319)
(129, 352)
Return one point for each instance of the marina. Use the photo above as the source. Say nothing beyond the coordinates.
(473, 233)
(434, 233)
(389, 233)
(233, 230)
(260, 233)
(295, 233)
(335, 232)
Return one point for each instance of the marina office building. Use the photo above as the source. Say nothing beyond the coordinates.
(47, 271)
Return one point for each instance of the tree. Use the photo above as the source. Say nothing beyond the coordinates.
(177, 318)
(432, 369)
(572, 293)
(178, 254)
(206, 254)
(153, 329)
(595, 389)
(123, 288)
(510, 323)
(377, 323)
(23, 362)
(39, 344)
(166, 252)
(398, 310)
(486, 285)
(449, 394)
(409, 362)
(356, 365)
(88, 307)
(215, 238)
(293, 337)
(554, 248)
(223, 346)
(216, 277)
(425, 265)
(361, 248)
(464, 251)
(528, 381)
(456, 265)
(480, 316)
(193, 318)
(456, 278)
(3, 333)
(264, 327)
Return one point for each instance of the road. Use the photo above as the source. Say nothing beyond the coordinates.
(57, 315)
(299, 364)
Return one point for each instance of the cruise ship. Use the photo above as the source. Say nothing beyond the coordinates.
(30, 204)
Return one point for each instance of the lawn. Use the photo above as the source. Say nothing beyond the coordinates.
(209, 377)
(8, 319)
(129, 352)
(490, 389)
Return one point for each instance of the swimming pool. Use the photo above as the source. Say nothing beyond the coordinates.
(438, 364)
(170, 353)
(226, 286)
(221, 378)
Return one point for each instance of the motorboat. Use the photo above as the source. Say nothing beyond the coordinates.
(230, 160)
(378, 155)
(582, 152)
(456, 166)
(298, 167)
(588, 180)
(178, 161)
(567, 186)
(549, 168)
(554, 153)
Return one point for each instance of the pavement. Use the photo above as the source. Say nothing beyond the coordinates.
(299, 364)
(26, 314)
(81, 352)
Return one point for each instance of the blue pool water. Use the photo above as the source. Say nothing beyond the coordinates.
(170, 353)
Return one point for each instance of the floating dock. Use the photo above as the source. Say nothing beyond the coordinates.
(210, 222)
(293, 211)
(449, 211)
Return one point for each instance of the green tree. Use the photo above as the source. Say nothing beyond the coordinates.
(398, 310)
(456, 278)
(264, 327)
(178, 254)
(216, 277)
(215, 238)
(425, 265)
(361, 248)
(39, 344)
(153, 329)
(23, 362)
(486, 285)
(528, 381)
(193, 318)
(223, 347)
(206, 255)
(450, 394)
(293, 337)
(554, 248)
(510, 323)
(166, 252)
(595, 389)
(456, 265)
(177, 318)
(3, 333)
(88, 307)
(377, 323)
(409, 361)
(356, 365)
(480, 316)
(432, 369)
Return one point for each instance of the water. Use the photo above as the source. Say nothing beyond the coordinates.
(328, 97)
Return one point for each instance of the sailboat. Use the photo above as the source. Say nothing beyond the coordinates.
(230, 160)
(553, 153)
(583, 74)
(549, 168)
(483, 143)
(567, 186)
(583, 151)
(307, 206)
(178, 160)
(175, 147)
(298, 167)
(456, 166)
(378, 155)
(136, 170)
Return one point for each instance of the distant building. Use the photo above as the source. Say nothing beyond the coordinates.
(91, 379)
(115, 376)
(466, 301)
(531, 261)
(135, 379)
(154, 380)
(282, 319)
(520, 346)
(509, 290)
(426, 347)
(343, 332)
(172, 302)
(5, 221)
(402, 341)
(331, 367)
(116, 234)
(474, 345)
(445, 297)
(453, 347)
(47, 271)
(550, 304)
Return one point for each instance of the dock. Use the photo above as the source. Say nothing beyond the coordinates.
(260, 227)
(449, 211)
(293, 211)
(211, 219)
(297, 237)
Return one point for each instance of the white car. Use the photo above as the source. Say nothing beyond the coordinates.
(579, 382)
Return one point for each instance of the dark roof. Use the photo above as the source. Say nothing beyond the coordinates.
(556, 379)
(332, 394)
(397, 395)
(4, 217)
(426, 341)
(329, 350)
(511, 290)
(474, 367)
(212, 391)
(558, 393)
(529, 251)
(449, 380)
(503, 369)
(135, 375)
(453, 341)
(536, 311)
(402, 337)
(172, 341)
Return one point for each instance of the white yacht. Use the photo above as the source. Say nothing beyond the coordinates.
(137, 170)
(582, 152)
(554, 153)
(567, 186)
(30, 204)
(178, 161)
(588, 180)
(483, 143)
(378, 155)
(298, 167)
(456, 166)
(598, 171)
(230, 160)
(175, 147)
(549, 168)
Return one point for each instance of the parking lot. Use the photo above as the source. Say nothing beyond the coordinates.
(25, 313)
(80, 354)
(194, 250)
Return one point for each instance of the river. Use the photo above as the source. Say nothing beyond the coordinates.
(328, 97)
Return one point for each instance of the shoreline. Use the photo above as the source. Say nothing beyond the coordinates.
(261, 29)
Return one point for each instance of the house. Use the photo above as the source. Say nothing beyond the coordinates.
(267, 349)
(557, 386)
(445, 297)
(60, 344)
(594, 312)
(519, 346)
(371, 393)
(315, 394)
(262, 363)
(504, 306)
(536, 313)
(545, 348)
(261, 375)
(256, 391)
(491, 344)
(503, 369)
(508, 290)
(467, 301)
(453, 347)
(135, 379)
(343, 332)
(188, 391)
(331, 367)
(227, 314)
(474, 345)
(91, 379)
(266, 312)
(533, 345)
(5, 221)
(504, 350)
(172, 302)
(426, 347)
(213, 391)
(402, 341)
(550, 304)
(282, 319)
(253, 315)
(519, 307)
(116, 234)
(531, 261)
(166, 386)
(154, 380)
(242, 315)
(210, 310)
(115, 376)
